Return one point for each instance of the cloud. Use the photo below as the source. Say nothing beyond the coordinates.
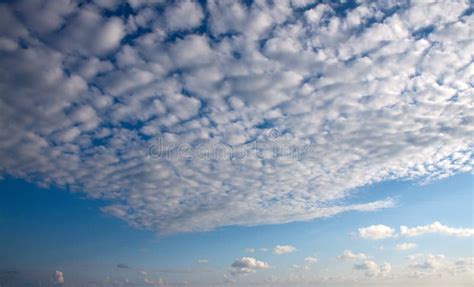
(283, 249)
(439, 265)
(58, 278)
(368, 95)
(436, 227)
(183, 15)
(465, 264)
(349, 255)
(376, 232)
(310, 260)
(430, 262)
(159, 282)
(202, 261)
(88, 33)
(405, 246)
(247, 265)
(249, 250)
(372, 269)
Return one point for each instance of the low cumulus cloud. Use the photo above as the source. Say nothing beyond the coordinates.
(283, 249)
(429, 262)
(311, 102)
(436, 228)
(373, 269)
(246, 265)
(380, 231)
(349, 255)
(376, 232)
(426, 265)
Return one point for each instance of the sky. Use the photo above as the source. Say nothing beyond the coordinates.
(236, 143)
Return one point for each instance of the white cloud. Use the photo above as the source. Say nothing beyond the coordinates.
(88, 33)
(376, 232)
(183, 15)
(247, 265)
(465, 264)
(436, 227)
(310, 260)
(227, 16)
(283, 249)
(349, 255)
(249, 250)
(58, 278)
(110, 34)
(406, 246)
(368, 95)
(429, 262)
(372, 269)
(438, 266)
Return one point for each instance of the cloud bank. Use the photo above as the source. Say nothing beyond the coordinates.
(376, 91)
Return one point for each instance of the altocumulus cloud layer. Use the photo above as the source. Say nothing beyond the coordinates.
(379, 91)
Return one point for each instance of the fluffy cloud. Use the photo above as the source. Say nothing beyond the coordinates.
(247, 265)
(283, 249)
(426, 265)
(376, 232)
(183, 15)
(373, 269)
(429, 262)
(406, 246)
(436, 227)
(349, 255)
(379, 92)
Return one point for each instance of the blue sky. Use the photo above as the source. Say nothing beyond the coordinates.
(236, 143)
(47, 229)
